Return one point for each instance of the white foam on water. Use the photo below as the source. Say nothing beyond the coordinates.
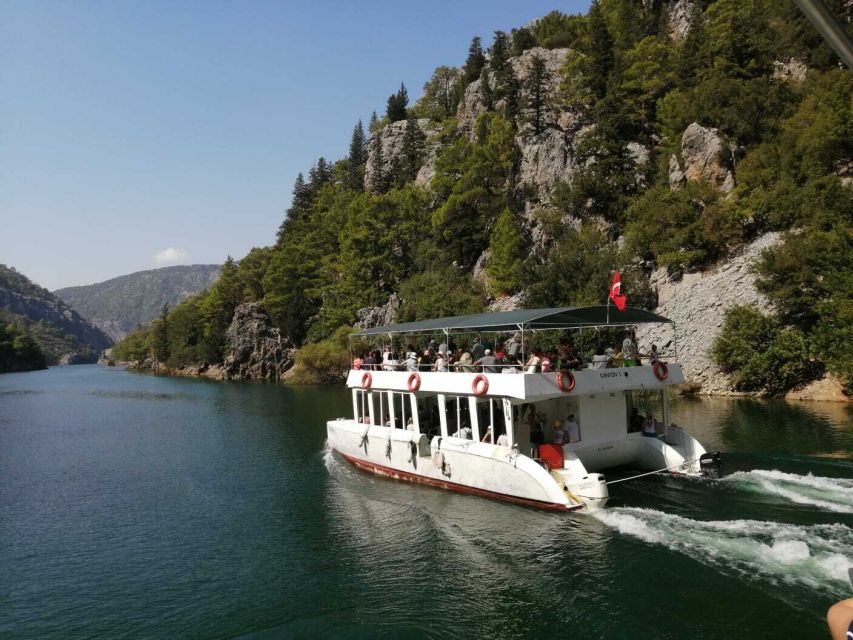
(816, 556)
(830, 494)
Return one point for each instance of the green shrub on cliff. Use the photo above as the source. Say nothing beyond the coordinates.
(762, 355)
(18, 350)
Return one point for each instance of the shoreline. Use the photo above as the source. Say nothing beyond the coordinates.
(826, 389)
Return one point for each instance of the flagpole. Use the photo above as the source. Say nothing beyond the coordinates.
(608, 298)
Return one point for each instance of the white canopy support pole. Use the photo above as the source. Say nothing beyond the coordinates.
(510, 435)
(416, 419)
(391, 413)
(442, 414)
(475, 418)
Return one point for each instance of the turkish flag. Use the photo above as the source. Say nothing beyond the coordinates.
(616, 293)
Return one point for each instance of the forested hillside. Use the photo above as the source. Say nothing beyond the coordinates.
(30, 313)
(645, 136)
(120, 305)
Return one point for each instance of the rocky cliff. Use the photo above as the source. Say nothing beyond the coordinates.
(59, 330)
(119, 305)
(696, 303)
(254, 350)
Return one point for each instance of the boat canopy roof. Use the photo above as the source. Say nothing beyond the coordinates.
(525, 319)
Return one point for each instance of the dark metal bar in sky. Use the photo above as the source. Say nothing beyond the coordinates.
(829, 28)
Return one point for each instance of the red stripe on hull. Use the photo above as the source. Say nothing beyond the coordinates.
(453, 486)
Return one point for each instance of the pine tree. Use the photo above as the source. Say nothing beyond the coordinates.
(507, 256)
(397, 102)
(475, 62)
(499, 53)
(161, 336)
(537, 94)
(602, 55)
(406, 165)
(378, 178)
(357, 158)
(487, 95)
(522, 40)
(374, 125)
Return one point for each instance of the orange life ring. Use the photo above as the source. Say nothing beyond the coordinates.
(366, 380)
(480, 386)
(661, 370)
(414, 382)
(565, 380)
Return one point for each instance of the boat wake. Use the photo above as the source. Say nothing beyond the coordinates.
(816, 556)
(831, 494)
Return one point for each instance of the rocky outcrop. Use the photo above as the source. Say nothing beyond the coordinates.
(508, 303)
(792, 70)
(704, 156)
(679, 19)
(392, 136)
(546, 159)
(76, 358)
(256, 349)
(369, 317)
(697, 304)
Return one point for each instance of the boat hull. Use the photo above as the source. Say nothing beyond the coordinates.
(453, 464)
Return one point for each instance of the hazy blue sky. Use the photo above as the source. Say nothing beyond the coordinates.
(137, 134)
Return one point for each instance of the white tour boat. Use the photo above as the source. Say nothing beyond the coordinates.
(470, 431)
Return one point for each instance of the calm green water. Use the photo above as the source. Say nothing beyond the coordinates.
(133, 506)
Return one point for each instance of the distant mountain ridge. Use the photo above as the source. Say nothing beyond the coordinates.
(119, 305)
(58, 330)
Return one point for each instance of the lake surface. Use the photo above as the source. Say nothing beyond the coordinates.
(133, 506)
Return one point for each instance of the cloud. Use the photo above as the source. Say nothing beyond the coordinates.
(170, 256)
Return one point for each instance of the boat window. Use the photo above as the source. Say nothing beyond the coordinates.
(361, 405)
(458, 416)
(428, 417)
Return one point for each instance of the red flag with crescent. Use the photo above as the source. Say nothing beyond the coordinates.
(616, 293)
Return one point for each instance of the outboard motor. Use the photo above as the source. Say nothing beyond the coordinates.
(711, 464)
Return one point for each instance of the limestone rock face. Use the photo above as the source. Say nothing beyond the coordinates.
(679, 19)
(256, 349)
(791, 69)
(546, 159)
(704, 156)
(76, 358)
(508, 303)
(369, 317)
(392, 136)
(697, 304)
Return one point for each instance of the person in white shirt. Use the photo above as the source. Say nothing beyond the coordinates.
(440, 362)
(571, 429)
(649, 428)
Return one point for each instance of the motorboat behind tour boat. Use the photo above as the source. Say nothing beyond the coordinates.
(469, 431)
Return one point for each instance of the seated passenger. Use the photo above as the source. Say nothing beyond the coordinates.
(465, 433)
(487, 362)
(649, 427)
(503, 441)
(390, 361)
(465, 363)
(358, 362)
(487, 437)
(629, 350)
(369, 362)
(653, 355)
(440, 363)
(411, 361)
(533, 364)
